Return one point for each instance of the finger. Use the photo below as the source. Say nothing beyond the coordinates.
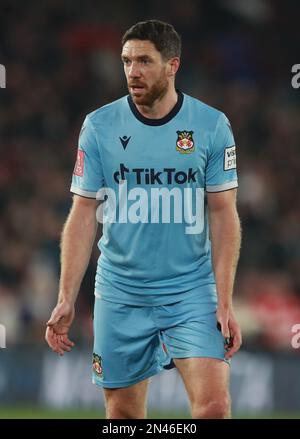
(58, 349)
(62, 345)
(50, 338)
(53, 341)
(64, 342)
(235, 345)
(224, 328)
(229, 354)
(55, 317)
(67, 341)
(64, 348)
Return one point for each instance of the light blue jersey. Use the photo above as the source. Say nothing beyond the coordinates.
(155, 248)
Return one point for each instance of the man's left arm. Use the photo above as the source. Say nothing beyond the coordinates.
(225, 235)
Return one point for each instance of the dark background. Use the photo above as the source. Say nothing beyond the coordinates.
(62, 61)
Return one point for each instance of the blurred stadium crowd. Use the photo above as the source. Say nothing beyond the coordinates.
(63, 61)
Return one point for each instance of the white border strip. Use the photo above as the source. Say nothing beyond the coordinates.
(83, 192)
(222, 187)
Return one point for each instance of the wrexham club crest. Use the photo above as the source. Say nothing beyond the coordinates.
(185, 142)
(97, 365)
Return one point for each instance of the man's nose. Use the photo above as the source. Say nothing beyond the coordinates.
(134, 70)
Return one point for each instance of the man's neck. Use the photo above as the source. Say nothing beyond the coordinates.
(161, 107)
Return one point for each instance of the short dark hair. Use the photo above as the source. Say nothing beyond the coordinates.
(163, 35)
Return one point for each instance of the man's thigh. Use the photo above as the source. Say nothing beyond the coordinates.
(127, 402)
(204, 378)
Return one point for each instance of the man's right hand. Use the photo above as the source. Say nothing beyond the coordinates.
(58, 327)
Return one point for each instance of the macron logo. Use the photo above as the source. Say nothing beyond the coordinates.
(124, 140)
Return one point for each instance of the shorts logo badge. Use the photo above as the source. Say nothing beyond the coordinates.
(185, 142)
(97, 365)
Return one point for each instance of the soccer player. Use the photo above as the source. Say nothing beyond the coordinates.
(163, 165)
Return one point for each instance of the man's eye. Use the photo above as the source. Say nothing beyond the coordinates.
(126, 61)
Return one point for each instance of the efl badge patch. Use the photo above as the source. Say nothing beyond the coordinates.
(79, 165)
(185, 142)
(97, 365)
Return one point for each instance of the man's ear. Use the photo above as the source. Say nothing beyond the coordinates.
(173, 66)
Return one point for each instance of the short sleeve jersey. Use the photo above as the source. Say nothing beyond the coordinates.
(153, 175)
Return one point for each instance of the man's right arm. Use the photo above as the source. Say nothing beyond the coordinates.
(77, 241)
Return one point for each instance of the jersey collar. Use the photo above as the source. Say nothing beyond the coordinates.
(156, 122)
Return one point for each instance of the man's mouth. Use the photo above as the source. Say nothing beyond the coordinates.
(136, 88)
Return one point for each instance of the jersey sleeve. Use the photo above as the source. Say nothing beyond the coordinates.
(87, 176)
(221, 173)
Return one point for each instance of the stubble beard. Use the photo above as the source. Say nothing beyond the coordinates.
(155, 93)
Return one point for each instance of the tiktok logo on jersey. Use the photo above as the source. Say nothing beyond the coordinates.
(180, 203)
(147, 176)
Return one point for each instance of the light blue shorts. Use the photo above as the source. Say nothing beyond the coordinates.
(132, 343)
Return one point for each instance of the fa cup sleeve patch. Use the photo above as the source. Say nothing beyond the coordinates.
(229, 158)
(79, 165)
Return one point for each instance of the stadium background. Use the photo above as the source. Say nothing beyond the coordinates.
(62, 61)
